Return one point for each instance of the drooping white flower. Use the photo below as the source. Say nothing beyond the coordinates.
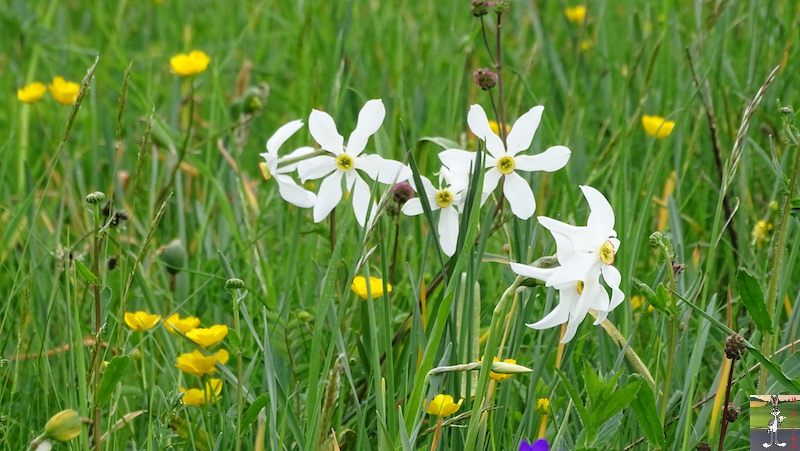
(448, 198)
(585, 253)
(503, 159)
(290, 191)
(346, 161)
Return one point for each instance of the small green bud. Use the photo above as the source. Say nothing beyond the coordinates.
(234, 284)
(773, 206)
(174, 256)
(788, 110)
(63, 426)
(656, 239)
(500, 6)
(253, 104)
(95, 197)
(303, 316)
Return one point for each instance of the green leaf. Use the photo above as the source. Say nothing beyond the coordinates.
(663, 301)
(251, 413)
(444, 143)
(753, 300)
(85, 273)
(587, 419)
(234, 342)
(111, 376)
(618, 400)
(594, 386)
(644, 407)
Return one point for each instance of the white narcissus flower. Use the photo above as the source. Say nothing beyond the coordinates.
(290, 191)
(346, 161)
(504, 161)
(449, 200)
(584, 253)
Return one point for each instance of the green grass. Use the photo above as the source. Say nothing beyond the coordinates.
(315, 356)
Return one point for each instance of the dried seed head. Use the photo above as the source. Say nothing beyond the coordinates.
(485, 78)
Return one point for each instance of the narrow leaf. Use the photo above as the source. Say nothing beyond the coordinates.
(644, 407)
(586, 418)
(618, 400)
(85, 273)
(753, 300)
(111, 376)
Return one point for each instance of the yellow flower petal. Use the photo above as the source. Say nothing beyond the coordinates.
(193, 397)
(359, 287)
(207, 337)
(543, 406)
(198, 364)
(175, 324)
(31, 93)
(443, 406)
(65, 92)
(500, 377)
(576, 14)
(189, 64)
(657, 126)
(141, 320)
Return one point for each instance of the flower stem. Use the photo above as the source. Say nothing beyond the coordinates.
(184, 147)
(500, 89)
(725, 406)
(768, 345)
(437, 434)
(97, 325)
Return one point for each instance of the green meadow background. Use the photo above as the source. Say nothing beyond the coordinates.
(322, 368)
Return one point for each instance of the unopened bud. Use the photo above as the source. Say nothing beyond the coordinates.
(656, 239)
(703, 446)
(63, 426)
(731, 412)
(543, 406)
(95, 197)
(734, 347)
(234, 284)
(402, 193)
(500, 6)
(174, 256)
(303, 316)
(480, 8)
(485, 78)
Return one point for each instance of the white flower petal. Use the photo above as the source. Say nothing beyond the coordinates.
(272, 161)
(382, 169)
(519, 195)
(601, 217)
(550, 160)
(413, 207)
(490, 180)
(330, 193)
(370, 119)
(323, 129)
(457, 161)
(295, 154)
(281, 135)
(521, 134)
(578, 313)
(448, 230)
(293, 193)
(601, 300)
(564, 247)
(316, 167)
(579, 235)
(613, 278)
(479, 124)
(361, 197)
(529, 271)
(559, 315)
(579, 267)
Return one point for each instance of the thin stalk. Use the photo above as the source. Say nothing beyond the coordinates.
(394, 250)
(768, 345)
(332, 230)
(436, 435)
(673, 326)
(97, 325)
(500, 89)
(559, 356)
(184, 147)
(239, 370)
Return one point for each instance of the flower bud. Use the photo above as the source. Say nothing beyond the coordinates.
(543, 406)
(303, 316)
(788, 110)
(656, 239)
(234, 284)
(402, 192)
(731, 412)
(773, 206)
(174, 256)
(703, 446)
(63, 426)
(734, 347)
(95, 197)
(500, 6)
(480, 8)
(485, 78)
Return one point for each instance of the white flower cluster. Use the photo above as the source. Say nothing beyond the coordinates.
(585, 254)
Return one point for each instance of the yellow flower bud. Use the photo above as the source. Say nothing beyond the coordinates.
(63, 426)
(359, 287)
(543, 406)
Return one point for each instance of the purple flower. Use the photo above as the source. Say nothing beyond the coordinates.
(538, 445)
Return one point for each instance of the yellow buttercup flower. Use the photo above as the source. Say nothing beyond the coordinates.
(657, 126)
(199, 364)
(576, 14)
(359, 287)
(760, 232)
(207, 337)
(141, 320)
(196, 397)
(638, 301)
(31, 93)
(443, 405)
(191, 64)
(65, 92)
(175, 324)
(543, 406)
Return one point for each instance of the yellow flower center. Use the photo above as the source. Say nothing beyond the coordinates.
(506, 165)
(264, 170)
(607, 253)
(344, 162)
(444, 198)
(580, 287)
